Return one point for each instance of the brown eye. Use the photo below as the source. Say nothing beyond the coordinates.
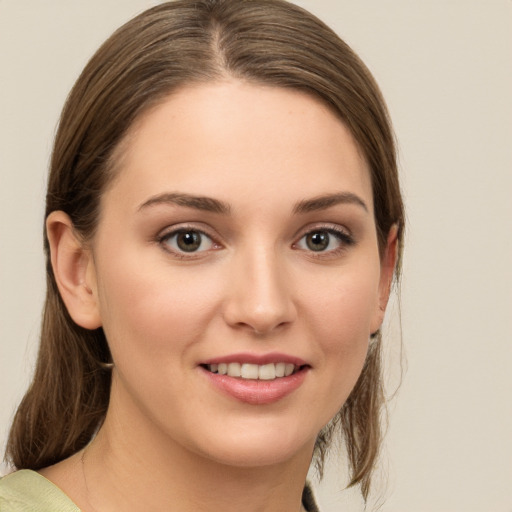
(328, 240)
(188, 240)
(318, 240)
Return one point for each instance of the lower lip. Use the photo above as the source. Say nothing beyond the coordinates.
(257, 392)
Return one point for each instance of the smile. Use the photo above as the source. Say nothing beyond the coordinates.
(270, 371)
(256, 379)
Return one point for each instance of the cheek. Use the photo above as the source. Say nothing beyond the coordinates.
(343, 316)
(346, 304)
(153, 313)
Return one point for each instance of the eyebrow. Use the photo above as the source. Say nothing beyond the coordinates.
(328, 200)
(207, 204)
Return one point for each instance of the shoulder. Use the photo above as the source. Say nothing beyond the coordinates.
(28, 491)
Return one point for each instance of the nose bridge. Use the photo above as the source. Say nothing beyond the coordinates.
(260, 296)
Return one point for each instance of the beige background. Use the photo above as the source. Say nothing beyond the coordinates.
(446, 70)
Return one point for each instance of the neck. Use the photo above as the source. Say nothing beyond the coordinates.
(131, 466)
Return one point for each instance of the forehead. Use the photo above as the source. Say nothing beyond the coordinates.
(239, 140)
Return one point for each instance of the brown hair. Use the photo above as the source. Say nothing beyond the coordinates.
(169, 46)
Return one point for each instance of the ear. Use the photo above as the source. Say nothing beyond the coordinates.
(387, 270)
(73, 267)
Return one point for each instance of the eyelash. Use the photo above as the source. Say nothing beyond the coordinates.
(344, 239)
(165, 237)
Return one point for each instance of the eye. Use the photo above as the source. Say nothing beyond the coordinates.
(187, 241)
(324, 240)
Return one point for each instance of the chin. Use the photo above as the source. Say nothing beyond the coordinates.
(258, 446)
(256, 455)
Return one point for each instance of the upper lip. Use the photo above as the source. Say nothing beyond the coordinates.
(259, 359)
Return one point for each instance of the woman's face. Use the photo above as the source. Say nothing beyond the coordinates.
(238, 237)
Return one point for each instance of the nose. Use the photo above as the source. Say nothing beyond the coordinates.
(260, 296)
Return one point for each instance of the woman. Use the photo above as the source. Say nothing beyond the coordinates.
(223, 225)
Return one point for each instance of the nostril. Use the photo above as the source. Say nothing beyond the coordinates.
(264, 328)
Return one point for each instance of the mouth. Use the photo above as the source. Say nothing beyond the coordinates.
(250, 371)
(256, 379)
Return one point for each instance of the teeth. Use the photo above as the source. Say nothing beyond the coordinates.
(234, 369)
(249, 371)
(269, 371)
(280, 369)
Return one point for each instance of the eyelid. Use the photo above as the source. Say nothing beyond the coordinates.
(344, 235)
(324, 226)
(175, 229)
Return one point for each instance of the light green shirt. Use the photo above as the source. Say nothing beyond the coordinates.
(28, 491)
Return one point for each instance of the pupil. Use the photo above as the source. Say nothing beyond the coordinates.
(318, 241)
(189, 241)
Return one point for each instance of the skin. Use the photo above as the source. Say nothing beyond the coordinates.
(254, 286)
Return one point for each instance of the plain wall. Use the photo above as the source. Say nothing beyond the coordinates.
(445, 68)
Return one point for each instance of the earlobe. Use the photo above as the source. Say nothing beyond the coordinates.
(387, 271)
(74, 271)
